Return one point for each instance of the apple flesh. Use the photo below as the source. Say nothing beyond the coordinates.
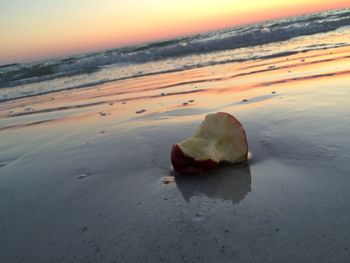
(220, 139)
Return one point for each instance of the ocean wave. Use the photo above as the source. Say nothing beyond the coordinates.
(200, 44)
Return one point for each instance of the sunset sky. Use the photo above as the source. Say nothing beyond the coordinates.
(37, 29)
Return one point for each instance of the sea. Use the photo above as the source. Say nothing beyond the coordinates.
(259, 41)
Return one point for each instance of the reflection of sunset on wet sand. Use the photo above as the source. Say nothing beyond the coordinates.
(241, 85)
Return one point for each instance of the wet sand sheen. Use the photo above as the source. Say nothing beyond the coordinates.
(81, 171)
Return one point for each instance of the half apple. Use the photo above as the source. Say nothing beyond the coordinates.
(220, 139)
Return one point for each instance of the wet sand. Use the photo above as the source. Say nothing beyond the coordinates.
(82, 171)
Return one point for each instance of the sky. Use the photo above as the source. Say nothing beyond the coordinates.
(39, 29)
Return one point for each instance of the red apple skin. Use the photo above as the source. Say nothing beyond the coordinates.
(186, 165)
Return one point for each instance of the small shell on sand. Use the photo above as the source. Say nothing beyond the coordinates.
(168, 179)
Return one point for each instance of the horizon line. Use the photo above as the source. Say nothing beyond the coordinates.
(100, 50)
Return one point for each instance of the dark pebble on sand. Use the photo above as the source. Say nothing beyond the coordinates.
(302, 60)
(273, 92)
(103, 113)
(124, 102)
(191, 101)
(162, 94)
(140, 111)
(185, 103)
(245, 100)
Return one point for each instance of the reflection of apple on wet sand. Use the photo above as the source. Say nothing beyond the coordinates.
(229, 183)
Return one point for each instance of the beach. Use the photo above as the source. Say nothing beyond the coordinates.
(85, 173)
